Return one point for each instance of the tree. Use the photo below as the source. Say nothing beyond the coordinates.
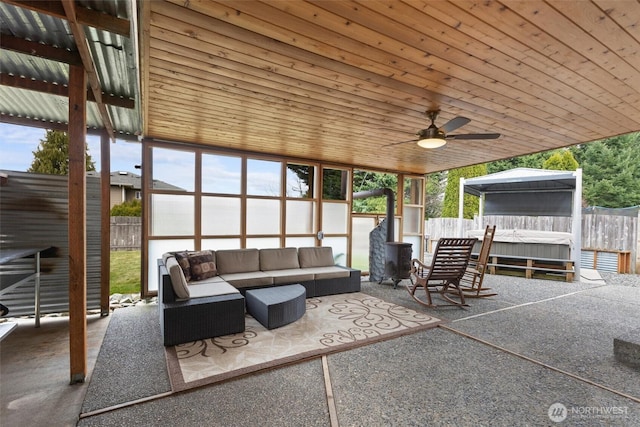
(452, 192)
(52, 155)
(534, 161)
(435, 185)
(611, 171)
(561, 160)
(364, 181)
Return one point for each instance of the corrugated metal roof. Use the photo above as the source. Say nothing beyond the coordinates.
(521, 179)
(112, 54)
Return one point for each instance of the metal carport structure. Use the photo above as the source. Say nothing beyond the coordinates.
(526, 191)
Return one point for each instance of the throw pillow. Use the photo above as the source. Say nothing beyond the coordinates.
(202, 265)
(183, 262)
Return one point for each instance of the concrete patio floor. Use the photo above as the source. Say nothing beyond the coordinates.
(539, 347)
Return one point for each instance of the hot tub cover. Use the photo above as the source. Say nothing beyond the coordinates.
(526, 236)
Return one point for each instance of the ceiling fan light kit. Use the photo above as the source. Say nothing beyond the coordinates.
(431, 142)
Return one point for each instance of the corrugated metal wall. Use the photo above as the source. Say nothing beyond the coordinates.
(34, 213)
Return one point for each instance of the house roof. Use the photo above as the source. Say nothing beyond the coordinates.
(134, 181)
(332, 81)
(126, 179)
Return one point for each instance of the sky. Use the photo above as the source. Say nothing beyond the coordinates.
(220, 173)
(17, 144)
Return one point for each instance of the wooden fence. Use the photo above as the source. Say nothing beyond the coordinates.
(600, 232)
(126, 233)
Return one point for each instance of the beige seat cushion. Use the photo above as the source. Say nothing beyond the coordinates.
(278, 259)
(211, 287)
(291, 275)
(333, 272)
(248, 279)
(315, 257)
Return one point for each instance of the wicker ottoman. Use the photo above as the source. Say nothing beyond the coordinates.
(277, 306)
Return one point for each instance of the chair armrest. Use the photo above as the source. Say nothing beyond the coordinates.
(418, 263)
(418, 268)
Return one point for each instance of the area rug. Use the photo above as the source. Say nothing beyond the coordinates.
(331, 324)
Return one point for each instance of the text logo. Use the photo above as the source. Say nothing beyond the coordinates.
(557, 412)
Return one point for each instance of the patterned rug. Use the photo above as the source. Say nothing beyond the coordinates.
(331, 324)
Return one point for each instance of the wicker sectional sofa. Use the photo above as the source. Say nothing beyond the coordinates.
(201, 293)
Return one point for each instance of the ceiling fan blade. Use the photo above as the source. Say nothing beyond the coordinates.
(454, 124)
(398, 143)
(475, 136)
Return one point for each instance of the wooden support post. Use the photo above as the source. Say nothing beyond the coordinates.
(77, 224)
(569, 268)
(529, 272)
(105, 218)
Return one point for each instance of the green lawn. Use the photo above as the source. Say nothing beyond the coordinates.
(125, 272)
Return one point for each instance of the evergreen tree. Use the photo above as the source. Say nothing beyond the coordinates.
(561, 160)
(52, 155)
(533, 161)
(452, 192)
(611, 171)
(366, 180)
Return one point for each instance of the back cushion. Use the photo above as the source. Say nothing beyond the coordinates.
(177, 278)
(278, 259)
(315, 257)
(237, 261)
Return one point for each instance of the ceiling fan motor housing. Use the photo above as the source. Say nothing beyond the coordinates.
(431, 132)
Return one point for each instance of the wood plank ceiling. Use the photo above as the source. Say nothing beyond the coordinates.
(341, 80)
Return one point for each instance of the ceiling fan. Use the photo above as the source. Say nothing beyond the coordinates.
(434, 137)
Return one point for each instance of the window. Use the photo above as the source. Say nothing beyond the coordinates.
(264, 178)
(364, 181)
(334, 184)
(173, 169)
(300, 180)
(221, 174)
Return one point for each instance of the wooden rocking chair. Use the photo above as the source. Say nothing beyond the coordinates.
(443, 276)
(471, 282)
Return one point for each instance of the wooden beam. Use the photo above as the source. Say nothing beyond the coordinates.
(105, 225)
(89, 67)
(146, 174)
(77, 225)
(40, 50)
(62, 126)
(85, 16)
(60, 89)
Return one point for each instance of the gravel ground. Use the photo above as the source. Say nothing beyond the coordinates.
(632, 280)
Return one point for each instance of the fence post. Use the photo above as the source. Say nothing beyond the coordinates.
(636, 269)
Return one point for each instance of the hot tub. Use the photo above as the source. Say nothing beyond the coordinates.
(527, 243)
